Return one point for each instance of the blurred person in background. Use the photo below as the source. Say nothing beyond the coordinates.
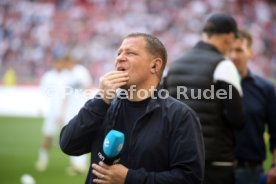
(259, 101)
(78, 82)
(202, 67)
(163, 139)
(52, 86)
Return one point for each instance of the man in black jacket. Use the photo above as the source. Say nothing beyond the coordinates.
(163, 139)
(209, 83)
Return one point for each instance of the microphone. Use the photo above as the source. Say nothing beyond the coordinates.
(112, 147)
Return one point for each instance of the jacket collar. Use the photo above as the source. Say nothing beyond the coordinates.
(153, 104)
(250, 75)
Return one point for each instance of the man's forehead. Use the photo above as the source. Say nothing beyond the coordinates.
(240, 45)
(237, 42)
(241, 41)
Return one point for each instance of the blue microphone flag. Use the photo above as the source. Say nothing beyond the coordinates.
(113, 143)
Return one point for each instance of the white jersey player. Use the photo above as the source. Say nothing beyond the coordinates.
(52, 87)
(78, 81)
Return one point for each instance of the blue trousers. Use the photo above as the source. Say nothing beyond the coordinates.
(248, 175)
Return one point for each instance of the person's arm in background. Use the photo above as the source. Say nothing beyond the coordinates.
(271, 176)
(225, 77)
(83, 77)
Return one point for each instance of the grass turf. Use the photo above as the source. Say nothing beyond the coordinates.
(20, 140)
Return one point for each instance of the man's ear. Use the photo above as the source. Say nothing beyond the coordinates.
(156, 65)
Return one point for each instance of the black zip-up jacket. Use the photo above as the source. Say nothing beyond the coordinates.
(166, 145)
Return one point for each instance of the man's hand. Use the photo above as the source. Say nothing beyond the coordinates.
(110, 82)
(109, 174)
(271, 176)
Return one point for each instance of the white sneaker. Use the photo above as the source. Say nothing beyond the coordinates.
(41, 165)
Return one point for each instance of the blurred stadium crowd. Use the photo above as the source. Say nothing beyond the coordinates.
(35, 32)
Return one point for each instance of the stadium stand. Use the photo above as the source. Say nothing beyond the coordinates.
(34, 32)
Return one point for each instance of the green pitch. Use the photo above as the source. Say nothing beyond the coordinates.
(20, 139)
(268, 162)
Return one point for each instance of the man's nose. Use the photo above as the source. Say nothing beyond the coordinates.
(121, 58)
